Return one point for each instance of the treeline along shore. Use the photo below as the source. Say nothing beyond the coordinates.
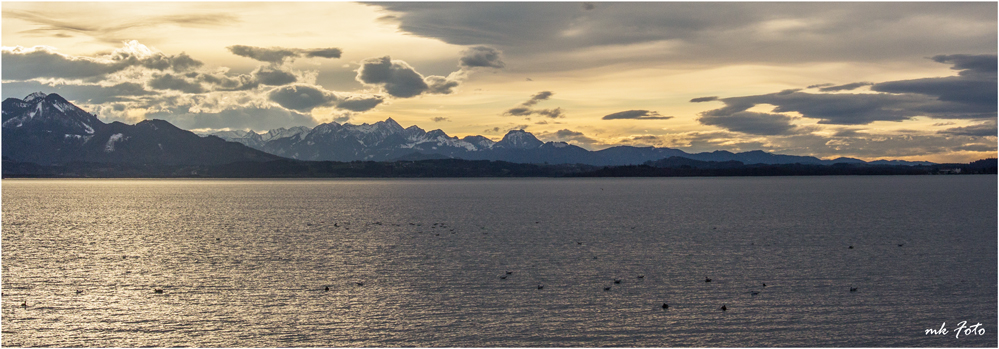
(445, 168)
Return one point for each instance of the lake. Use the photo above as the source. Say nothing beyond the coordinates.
(501, 262)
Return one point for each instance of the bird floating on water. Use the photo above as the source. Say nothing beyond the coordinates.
(665, 306)
(327, 288)
(706, 279)
(157, 290)
(617, 281)
(641, 276)
(359, 283)
(853, 289)
(607, 288)
(541, 286)
(509, 272)
(24, 305)
(753, 293)
(723, 308)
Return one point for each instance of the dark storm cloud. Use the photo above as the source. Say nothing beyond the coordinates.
(278, 55)
(401, 80)
(41, 62)
(710, 32)
(301, 97)
(967, 96)
(176, 83)
(846, 87)
(480, 56)
(704, 99)
(637, 115)
(359, 104)
(751, 123)
(524, 109)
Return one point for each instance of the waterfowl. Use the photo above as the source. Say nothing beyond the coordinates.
(723, 308)
(853, 289)
(706, 279)
(607, 288)
(665, 306)
(617, 281)
(541, 286)
(327, 288)
(157, 290)
(641, 276)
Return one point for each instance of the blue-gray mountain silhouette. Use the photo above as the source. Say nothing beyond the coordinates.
(47, 129)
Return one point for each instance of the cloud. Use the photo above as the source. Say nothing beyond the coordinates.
(551, 113)
(401, 80)
(273, 77)
(44, 62)
(524, 109)
(970, 64)
(967, 96)
(980, 130)
(751, 123)
(704, 99)
(113, 31)
(637, 115)
(440, 119)
(480, 56)
(975, 85)
(324, 52)
(359, 104)
(440, 85)
(302, 97)
(712, 33)
(256, 118)
(278, 55)
(176, 83)
(846, 87)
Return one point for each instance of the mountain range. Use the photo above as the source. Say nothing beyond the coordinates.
(47, 129)
(389, 141)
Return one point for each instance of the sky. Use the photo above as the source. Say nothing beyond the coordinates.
(910, 81)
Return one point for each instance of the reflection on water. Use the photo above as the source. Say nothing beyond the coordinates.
(424, 262)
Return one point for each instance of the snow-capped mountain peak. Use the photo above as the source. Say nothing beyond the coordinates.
(518, 139)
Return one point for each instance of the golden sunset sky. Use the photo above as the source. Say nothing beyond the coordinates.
(911, 81)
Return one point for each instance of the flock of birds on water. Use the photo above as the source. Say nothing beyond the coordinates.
(665, 306)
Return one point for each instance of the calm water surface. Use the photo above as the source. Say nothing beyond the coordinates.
(245, 263)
